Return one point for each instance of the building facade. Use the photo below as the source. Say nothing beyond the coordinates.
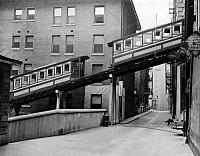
(5, 70)
(192, 71)
(43, 32)
(194, 125)
(160, 93)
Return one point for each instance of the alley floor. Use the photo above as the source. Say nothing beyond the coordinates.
(147, 136)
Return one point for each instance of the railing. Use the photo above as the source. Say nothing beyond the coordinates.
(51, 123)
(148, 37)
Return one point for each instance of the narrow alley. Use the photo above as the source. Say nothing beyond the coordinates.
(147, 136)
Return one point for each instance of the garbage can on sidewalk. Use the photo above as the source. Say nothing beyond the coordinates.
(105, 120)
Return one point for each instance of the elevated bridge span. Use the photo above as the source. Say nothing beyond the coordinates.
(131, 53)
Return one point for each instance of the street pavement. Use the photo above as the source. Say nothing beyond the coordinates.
(147, 136)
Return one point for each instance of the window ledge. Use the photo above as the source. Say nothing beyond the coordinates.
(69, 54)
(28, 49)
(17, 21)
(15, 48)
(30, 20)
(55, 54)
(98, 24)
(71, 24)
(56, 25)
(97, 54)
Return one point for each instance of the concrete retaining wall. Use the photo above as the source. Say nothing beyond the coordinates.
(51, 123)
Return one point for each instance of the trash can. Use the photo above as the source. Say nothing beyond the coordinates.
(105, 120)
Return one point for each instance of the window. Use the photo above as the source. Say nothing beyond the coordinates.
(98, 43)
(96, 68)
(69, 44)
(25, 80)
(56, 15)
(167, 32)
(157, 34)
(55, 43)
(29, 42)
(27, 68)
(177, 29)
(118, 47)
(99, 14)
(50, 72)
(42, 75)
(14, 72)
(70, 15)
(58, 70)
(66, 67)
(16, 42)
(128, 44)
(18, 14)
(17, 83)
(30, 13)
(33, 77)
(96, 101)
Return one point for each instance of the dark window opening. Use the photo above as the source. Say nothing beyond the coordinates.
(96, 101)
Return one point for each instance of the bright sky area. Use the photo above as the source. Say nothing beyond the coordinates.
(147, 10)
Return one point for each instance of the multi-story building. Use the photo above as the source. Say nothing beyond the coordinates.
(193, 15)
(40, 32)
(160, 94)
(177, 9)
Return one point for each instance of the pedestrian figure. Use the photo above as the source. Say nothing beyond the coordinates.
(169, 121)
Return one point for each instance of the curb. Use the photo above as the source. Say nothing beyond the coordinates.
(135, 117)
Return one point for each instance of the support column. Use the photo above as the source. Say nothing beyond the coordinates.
(58, 98)
(112, 101)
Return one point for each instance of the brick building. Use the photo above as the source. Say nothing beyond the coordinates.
(191, 70)
(40, 32)
(194, 125)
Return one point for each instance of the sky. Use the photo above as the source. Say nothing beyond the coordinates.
(147, 10)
